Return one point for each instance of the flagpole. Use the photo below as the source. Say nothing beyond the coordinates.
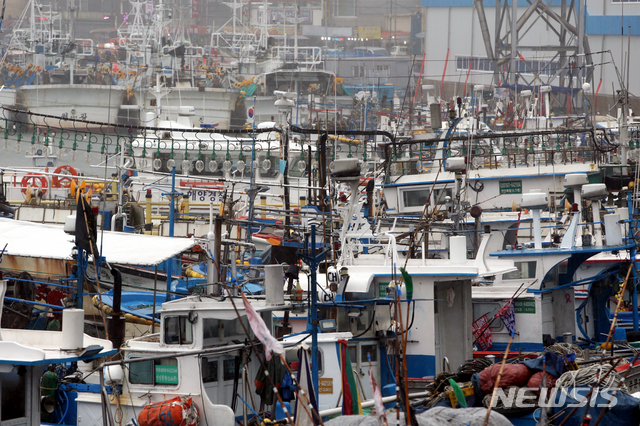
(403, 368)
(253, 347)
(304, 398)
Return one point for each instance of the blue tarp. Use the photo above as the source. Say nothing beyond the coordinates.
(623, 412)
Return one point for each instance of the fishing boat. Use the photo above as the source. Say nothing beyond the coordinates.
(29, 379)
(544, 287)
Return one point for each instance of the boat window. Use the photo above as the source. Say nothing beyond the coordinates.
(229, 369)
(525, 270)
(292, 355)
(367, 351)
(154, 372)
(178, 331)
(353, 354)
(273, 170)
(440, 195)
(44, 161)
(210, 332)
(489, 309)
(232, 328)
(416, 197)
(209, 369)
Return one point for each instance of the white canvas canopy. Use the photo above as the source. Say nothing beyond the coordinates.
(29, 239)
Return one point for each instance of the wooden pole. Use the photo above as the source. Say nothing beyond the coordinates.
(495, 388)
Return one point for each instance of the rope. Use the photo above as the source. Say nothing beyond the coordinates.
(566, 348)
(589, 376)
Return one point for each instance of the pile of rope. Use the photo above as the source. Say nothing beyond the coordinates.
(590, 376)
(563, 349)
(472, 366)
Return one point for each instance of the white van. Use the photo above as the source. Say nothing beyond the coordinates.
(400, 51)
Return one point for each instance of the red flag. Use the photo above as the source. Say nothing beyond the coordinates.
(507, 315)
(482, 333)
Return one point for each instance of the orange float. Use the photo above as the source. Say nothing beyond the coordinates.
(63, 181)
(178, 411)
(34, 179)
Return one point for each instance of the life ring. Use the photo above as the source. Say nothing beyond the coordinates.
(31, 179)
(63, 181)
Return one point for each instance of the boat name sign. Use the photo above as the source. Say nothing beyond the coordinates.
(510, 187)
(166, 374)
(325, 385)
(524, 306)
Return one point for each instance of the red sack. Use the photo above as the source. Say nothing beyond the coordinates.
(179, 411)
(512, 375)
(535, 381)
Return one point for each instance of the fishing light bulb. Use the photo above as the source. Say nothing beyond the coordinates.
(226, 166)
(60, 152)
(186, 166)
(6, 144)
(241, 165)
(18, 147)
(266, 165)
(557, 157)
(256, 165)
(87, 158)
(143, 163)
(302, 165)
(171, 163)
(199, 166)
(74, 155)
(213, 165)
(157, 164)
(332, 166)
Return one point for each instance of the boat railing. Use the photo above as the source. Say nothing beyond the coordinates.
(500, 152)
(307, 57)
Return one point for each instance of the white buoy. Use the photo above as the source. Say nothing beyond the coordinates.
(72, 329)
(113, 375)
(458, 249)
(274, 285)
(613, 229)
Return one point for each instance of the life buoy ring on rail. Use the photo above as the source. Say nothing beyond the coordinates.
(63, 181)
(34, 179)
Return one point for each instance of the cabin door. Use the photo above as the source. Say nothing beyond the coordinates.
(438, 340)
(366, 351)
(452, 324)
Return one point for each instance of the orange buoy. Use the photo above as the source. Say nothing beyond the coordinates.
(34, 179)
(63, 181)
(178, 411)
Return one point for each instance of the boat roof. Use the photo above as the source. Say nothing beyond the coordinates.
(221, 308)
(559, 250)
(28, 239)
(38, 347)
